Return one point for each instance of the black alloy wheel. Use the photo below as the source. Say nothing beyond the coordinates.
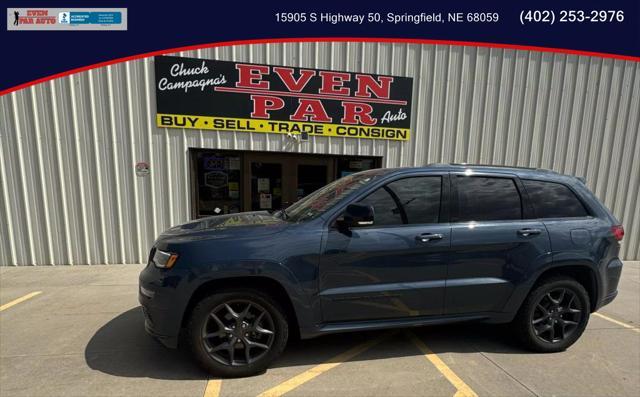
(238, 332)
(556, 315)
(553, 315)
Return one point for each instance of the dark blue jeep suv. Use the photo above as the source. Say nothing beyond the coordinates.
(387, 248)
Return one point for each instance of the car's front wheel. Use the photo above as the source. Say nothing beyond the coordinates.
(237, 332)
(553, 316)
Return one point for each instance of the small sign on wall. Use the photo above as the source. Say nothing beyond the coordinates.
(142, 168)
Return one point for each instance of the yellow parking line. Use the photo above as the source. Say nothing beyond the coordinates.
(19, 300)
(462, 389)
(213, 388)
(308, 375)
(620, 323)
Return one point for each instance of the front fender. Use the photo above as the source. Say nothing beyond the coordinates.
(288, 256)
(295, 288)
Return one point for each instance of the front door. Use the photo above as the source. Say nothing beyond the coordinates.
(494, 242)
(395, 268)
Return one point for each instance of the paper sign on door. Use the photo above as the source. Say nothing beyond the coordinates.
(263, 184)
(265, 201)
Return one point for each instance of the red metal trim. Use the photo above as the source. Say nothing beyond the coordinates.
(317, 39)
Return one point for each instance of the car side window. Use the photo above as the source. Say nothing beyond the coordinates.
(413, 200)
(385, 208)
(487, 199)
(553, 200)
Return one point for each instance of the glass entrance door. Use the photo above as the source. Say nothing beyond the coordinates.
(310, 179)
(266, 186)
(278, 180)
(311, 173)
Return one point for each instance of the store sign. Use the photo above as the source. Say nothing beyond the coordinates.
(235, 96)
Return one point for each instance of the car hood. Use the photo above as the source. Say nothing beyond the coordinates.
(262, 220)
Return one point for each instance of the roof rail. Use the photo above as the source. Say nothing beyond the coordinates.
(493, 165)
(490, 166)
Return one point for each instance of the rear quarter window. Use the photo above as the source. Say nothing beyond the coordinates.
(554, 200)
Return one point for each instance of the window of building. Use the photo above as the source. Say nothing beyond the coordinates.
(218, 180)
(553, 200)
(407, 201)
(487, 199)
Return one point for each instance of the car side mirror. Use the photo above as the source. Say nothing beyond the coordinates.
(356, 215)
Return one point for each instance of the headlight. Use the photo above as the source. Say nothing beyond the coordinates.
(163, 259)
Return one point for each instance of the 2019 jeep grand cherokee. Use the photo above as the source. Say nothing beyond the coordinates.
(387, 248)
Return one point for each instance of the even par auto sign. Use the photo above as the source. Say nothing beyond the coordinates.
(236, 96)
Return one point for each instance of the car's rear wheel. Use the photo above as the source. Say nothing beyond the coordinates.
(553, 316)
(237, 332)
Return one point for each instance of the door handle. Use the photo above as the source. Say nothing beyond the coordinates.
(426, 237)
(529, 232)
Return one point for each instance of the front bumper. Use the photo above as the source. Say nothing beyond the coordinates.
(168, 341)
(163, 302)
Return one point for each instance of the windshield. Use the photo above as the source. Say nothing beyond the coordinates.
(325, 198)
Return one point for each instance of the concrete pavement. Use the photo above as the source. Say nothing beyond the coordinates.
(83, 335)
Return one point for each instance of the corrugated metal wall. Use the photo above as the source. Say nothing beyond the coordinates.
(70, 195)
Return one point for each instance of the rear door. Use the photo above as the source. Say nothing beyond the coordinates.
(494, 241)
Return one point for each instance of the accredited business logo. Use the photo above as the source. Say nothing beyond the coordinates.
(63, 17)
(66, 19)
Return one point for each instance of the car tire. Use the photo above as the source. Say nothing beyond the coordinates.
(219, 332)
(553, 316)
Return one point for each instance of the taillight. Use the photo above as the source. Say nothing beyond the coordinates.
(618, 232)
